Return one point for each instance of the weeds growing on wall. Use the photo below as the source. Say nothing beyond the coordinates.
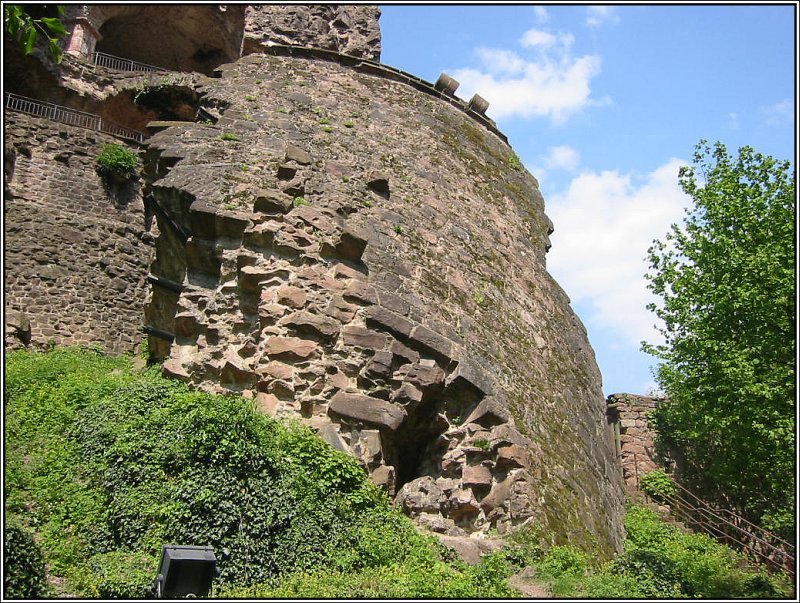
(117, 161)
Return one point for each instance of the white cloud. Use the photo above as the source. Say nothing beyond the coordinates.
(537, 37)
(542, 16)
(733, 120)
(601, 15)
(562, 157)
(779, 114)
(604, 223)
(501, 61)
(554, 84)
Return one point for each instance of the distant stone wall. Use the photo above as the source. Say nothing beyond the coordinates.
(76, 257)
(350, 29)
(634, 440)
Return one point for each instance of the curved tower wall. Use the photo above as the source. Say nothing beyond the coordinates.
(351, 251)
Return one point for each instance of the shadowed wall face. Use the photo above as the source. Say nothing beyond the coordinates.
(76, 247)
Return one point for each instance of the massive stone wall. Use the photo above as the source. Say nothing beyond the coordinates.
(348, 250)
(634, 440)
(76, 251)
(344, 245)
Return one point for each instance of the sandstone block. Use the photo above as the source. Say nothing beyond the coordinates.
(314, 324)
(407, 394)
(277, 370)
(251, 277)
(384, 477)
(295, 153)
(462, 505)
(509, 457)
(347, 245)
(390, 321)
(431, 342)
(365, 408)
(421, 495)
(403, 352)
(370, 444)
(266, 403)
(361, 293)
(476, 476)
(363, 338)
(291, 296)
(473, 374)
(269, 201)
(324, 223)
(379, 366)
(330, 434)
(261, 235)
(340, 310)
(290, 346)
(185, 324)
(209, 222)
(236, 373)
(470, 550)
(488, 413)
(172, 368)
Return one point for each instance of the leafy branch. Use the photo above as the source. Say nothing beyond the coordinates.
(26, 30)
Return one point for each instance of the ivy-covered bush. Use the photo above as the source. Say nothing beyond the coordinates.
(658, 485)
(23, 564)
(117, 464)
(117, 161)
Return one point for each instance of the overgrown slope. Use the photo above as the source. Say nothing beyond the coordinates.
(105, 465)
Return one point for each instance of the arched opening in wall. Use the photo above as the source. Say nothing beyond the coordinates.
(419, 444)
(135, 109)
(175, 37)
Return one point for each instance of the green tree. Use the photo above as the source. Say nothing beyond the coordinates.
(727, 288)
(26, 29)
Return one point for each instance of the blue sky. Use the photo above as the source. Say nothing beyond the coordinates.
(603, 104)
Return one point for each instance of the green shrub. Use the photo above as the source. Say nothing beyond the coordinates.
(115, 160)
(23, 563)
(114, 464)
(230, 136)
(659, 561)
(658, 485)
(119, 575)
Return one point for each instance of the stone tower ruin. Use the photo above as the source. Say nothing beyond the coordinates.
(341, 242)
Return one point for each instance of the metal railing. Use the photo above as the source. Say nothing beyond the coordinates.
(101, 59)
(72, 117)
(727, 527)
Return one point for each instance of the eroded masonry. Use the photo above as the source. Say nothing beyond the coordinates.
(341, 242)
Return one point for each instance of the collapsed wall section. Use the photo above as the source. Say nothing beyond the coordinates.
(76, 248)
(346, 250)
